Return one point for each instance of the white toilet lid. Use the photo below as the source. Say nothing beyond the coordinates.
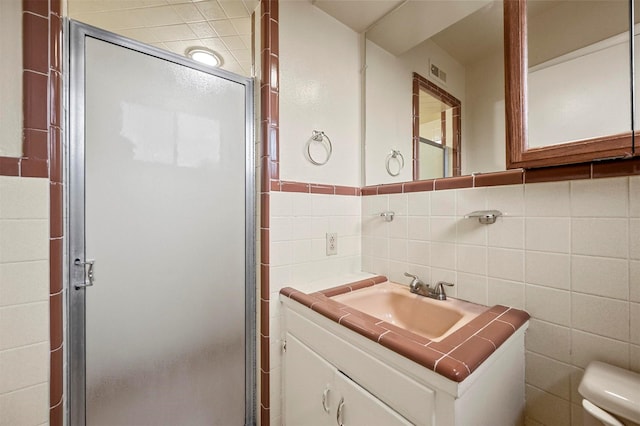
(613, 389)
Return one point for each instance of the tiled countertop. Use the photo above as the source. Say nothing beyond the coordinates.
(455, 357)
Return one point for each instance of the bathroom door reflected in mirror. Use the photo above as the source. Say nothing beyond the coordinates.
(436, 138)
(457, 46)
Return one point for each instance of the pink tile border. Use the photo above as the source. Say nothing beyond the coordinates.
(276, 185)
(269, 179)
(594, 170)
(455, 357)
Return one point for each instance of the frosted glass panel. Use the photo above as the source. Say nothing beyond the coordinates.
(165, 223)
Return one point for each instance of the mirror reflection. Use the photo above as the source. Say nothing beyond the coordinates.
(457, 47)
(579, 71)
(436, 145)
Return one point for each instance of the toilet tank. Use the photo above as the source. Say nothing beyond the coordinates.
(613, 390)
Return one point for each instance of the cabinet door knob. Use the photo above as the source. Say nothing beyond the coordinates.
(325, 399)
(339, 412)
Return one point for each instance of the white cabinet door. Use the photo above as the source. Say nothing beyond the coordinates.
(317, 394)
(309, 395)
(358, 407)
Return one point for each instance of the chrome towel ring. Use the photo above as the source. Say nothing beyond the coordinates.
(323, 139)
(398, 157)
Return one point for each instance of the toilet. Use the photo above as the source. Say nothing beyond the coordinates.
(611, 395)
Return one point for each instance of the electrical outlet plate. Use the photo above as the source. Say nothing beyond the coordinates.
(332, 243)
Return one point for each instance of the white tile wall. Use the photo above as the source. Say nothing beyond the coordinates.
(634, 196)
(586, 347)
(549, 375)
(548, 339)
(600, 315)
(547, 199)
(600, 237)
(298, 227)
(601, 276)
(614, 190)
(548, 304)
(28, 406)
(506, 293)
(567, 252)
(24, 301)
(548, 269)
(548, 234)
(546, 409)
(510, 233)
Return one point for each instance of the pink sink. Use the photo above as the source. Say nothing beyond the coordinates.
(393, 303)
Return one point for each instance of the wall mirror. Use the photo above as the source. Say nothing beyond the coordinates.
(569, 73)
(457, 49)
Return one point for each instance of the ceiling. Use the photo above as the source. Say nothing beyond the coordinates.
(399, 25)
(223, 26)
(358, 15)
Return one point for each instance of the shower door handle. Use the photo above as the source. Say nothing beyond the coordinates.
(88, 273)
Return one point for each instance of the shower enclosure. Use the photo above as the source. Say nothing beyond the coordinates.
(161, 263)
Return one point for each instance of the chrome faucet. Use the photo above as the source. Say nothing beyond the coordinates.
(417, 286)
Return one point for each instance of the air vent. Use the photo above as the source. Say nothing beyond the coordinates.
(437, 72)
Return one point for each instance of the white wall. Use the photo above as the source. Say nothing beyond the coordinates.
(320, 86)
(389, 91)
(24, 301)
(566, 252)
(11, 78)
(388, 109)
(484, 146)
(581, 97)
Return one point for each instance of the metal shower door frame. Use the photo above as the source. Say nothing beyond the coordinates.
(77, 33)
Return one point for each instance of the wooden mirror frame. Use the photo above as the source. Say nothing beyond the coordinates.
(519, 155)
(419, 82)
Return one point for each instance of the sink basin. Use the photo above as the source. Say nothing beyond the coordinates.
(395, 304)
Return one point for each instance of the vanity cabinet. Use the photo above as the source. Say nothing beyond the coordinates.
(318, 394)
(334, 376)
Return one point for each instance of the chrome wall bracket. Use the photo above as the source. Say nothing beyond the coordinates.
(486, 217)
(387, 216)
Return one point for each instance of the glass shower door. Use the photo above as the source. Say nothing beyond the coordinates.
(166, 226)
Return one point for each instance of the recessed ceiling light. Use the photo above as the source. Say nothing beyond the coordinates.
(204, 55)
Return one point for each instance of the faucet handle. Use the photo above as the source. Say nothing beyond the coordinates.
(415, 282)
(439, 289)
